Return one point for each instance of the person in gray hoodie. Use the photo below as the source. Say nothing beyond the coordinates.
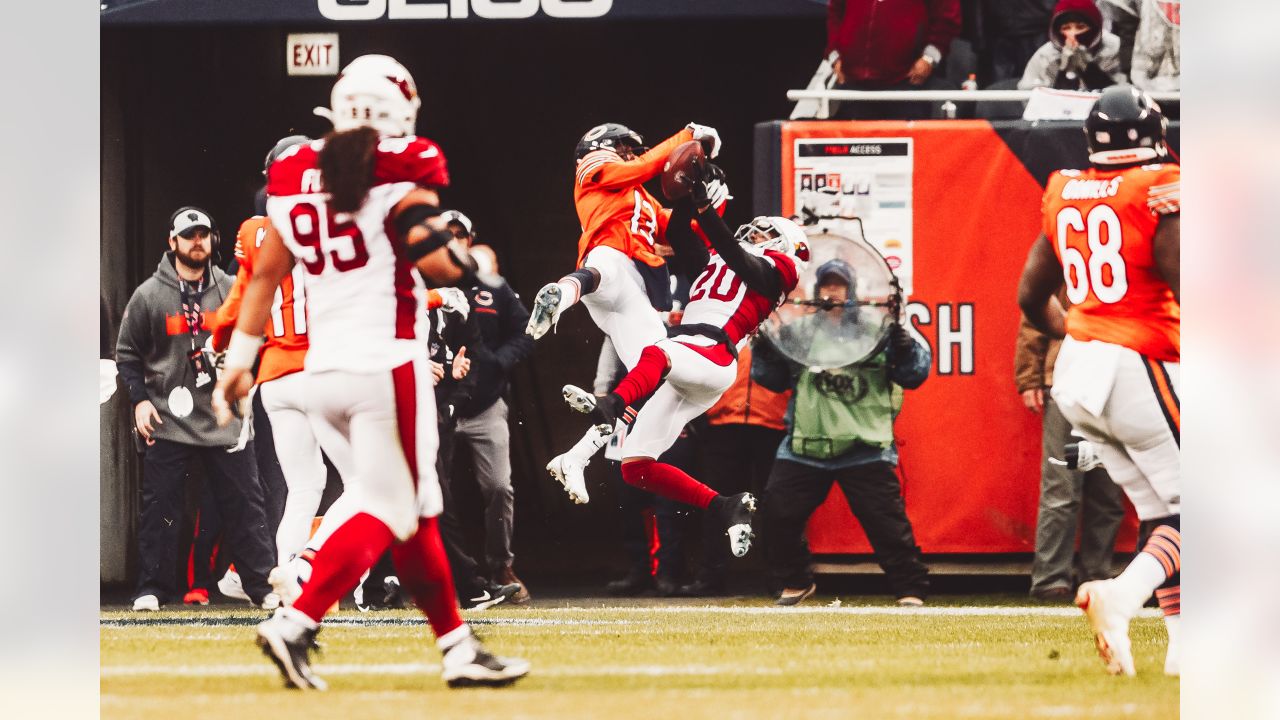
(170, 378)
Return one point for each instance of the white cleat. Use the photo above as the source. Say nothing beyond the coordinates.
(288, 644)
(546, 310)
(146, 603)
(740, 533)
(579, 399)
(468, 664)
(570, 472)
(1109, 615)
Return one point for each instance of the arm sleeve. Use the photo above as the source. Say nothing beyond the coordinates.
(691, 254)
(911, 372)
(944, 24)
(134, 342)
(516, 345)
(603, 173)
(759, 274)
(1028, 357)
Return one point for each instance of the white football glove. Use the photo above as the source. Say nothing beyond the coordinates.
(454, 300)
(718, 193)
(701, 132)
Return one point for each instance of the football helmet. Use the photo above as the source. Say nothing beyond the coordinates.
(609, 136)
(281, 145)
(1125, 126)
(377, 92)
(773, 233)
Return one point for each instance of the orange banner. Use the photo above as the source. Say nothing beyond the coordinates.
(970, 451)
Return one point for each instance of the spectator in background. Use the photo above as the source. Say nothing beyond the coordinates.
(170, 382)
(482, 417)
(840, 430)
(1012, 31)
(735, 455)
(1068, 498)
(1080, 55)
(889, 45)
(1157, 47)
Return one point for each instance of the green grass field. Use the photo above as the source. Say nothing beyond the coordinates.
(959, 658)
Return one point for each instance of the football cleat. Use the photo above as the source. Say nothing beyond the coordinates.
(468, 664)
(569, 472)
(1109, 616)
(741, 508)
(579, 399)
(546, 311)
(288, 644)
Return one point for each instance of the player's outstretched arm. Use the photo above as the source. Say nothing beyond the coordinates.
(756, 272)
(1041, 278)
(428, 243)
(1166, 247)
(605, 174)
(691, 254)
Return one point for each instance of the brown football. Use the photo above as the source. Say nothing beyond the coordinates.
(684, 166)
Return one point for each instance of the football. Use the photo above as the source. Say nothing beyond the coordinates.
(684, 166)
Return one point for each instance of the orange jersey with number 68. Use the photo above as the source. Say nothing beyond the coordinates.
(1101, 223)
(286, 347)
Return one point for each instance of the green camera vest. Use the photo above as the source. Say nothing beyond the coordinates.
(838, 410)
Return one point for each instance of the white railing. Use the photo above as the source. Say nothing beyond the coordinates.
(824, 97)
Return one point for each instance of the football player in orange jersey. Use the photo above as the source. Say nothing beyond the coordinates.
(1111, 232)
(621, 276)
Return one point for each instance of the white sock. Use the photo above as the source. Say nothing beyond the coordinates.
(297, 616)
(1141, 578)
(453, 637)
(591, 442)
(570, 293)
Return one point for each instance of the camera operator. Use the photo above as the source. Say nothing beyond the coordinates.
(840, 430)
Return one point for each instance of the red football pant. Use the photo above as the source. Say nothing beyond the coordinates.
(645, 377)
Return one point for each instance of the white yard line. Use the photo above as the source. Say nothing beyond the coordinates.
(118, 671)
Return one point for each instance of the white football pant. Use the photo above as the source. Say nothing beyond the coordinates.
(1128, 406)
(620, 307)
(385, 422)
(693, 385)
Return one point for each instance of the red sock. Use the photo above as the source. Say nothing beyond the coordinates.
(424, 572)
(668, 481)
(645, 377)
(353, 548)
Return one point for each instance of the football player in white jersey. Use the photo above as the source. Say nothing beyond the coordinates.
(359, 210)
(739, 283)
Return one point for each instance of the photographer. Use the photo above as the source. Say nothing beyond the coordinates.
(840, 430)
(170, 379)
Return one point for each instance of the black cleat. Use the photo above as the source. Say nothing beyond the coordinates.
(738, 512)
(468, 664)
(288, 645)
(634, 584)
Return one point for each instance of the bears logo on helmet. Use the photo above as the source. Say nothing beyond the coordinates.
(1125, 126)
(609, 136)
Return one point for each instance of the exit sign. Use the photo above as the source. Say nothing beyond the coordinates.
(312, 54)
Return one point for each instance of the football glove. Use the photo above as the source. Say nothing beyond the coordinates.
(453, 300)
(708, 137)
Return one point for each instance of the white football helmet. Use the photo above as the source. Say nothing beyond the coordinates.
(774, 233)
(378, 92)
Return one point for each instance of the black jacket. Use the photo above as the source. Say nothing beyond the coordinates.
(449, 334)
(501, 318)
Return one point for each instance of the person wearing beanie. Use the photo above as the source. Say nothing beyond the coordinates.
(1080, 55)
